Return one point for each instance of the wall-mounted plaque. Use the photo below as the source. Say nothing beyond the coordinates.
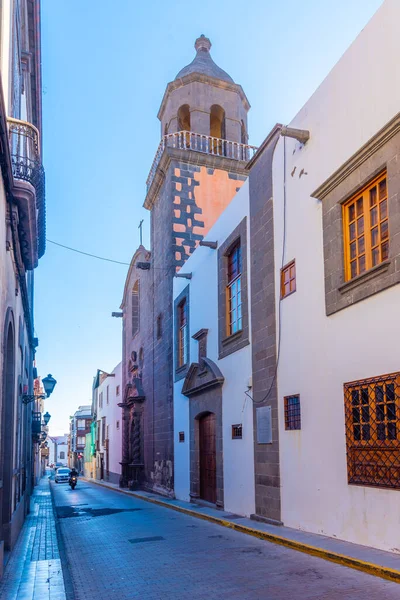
(264, 425)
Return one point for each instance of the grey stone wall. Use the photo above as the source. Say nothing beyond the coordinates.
(263, 327)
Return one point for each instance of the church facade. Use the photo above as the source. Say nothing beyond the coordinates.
(199, 166)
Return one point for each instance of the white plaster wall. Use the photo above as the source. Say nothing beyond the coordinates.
(112, 413)
(238, 455)
(320, 353)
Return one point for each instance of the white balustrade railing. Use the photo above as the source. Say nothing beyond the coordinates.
(189, 140)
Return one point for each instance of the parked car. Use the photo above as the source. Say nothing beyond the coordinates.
(62, 475)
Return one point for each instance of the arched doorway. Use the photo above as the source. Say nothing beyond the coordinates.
(207, 456)
(7, 430)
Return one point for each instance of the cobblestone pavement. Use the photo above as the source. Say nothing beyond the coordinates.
(34, 569)
(119, 547)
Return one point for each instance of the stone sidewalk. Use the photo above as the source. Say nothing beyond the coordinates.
(369, 560)
(34, 570)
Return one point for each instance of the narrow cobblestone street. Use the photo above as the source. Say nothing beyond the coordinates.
(119, 547)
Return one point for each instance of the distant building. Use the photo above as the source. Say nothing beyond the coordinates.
(58, 450)
(108, 425)
(80, 424)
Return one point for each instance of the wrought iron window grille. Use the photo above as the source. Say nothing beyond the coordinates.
(292, 413)
(372, 412)
(237, 432)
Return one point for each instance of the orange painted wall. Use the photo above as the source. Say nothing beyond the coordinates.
(212, 192)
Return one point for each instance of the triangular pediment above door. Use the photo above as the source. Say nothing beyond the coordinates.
(201, 377)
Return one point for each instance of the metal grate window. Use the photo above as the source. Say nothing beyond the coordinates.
(237, 432)
(372, 409)
(292, 412)
(181, 436)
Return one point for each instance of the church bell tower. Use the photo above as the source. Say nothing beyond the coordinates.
(198, 167)
(200, 163)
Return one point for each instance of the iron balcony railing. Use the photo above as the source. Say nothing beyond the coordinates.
(189, 140)
(25, 151)
(27, 166)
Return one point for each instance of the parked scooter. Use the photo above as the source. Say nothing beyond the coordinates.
(73, 479)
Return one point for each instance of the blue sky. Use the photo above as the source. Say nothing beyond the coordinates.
(105, 68)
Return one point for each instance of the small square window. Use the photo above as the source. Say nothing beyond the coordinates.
(237, 432)
(292, 412)
(181, 436)
(288, 279)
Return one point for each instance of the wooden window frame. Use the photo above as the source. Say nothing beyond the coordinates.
(291, 280)
(292, 413)
(234, 290)
(182, 326)
(366, 228)
(228, 344)
(181, 339)
(372, 414)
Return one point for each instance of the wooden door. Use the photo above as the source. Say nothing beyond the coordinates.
(208, 476)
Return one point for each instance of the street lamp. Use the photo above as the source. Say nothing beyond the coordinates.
(46, 418)
(48, 383)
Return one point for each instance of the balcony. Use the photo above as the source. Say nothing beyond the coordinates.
(29, 188)
(188, 140)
